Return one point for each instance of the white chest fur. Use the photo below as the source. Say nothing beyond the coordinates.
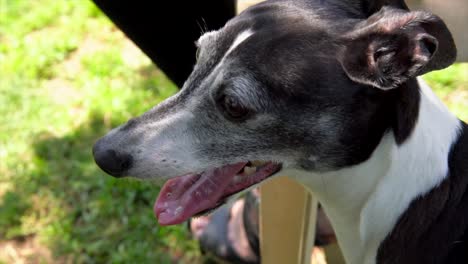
(365, 201)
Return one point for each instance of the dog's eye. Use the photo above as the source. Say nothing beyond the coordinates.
(234, 108)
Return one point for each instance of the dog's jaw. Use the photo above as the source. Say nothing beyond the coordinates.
(185, 196)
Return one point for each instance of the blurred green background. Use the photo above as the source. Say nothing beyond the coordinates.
(68, 75)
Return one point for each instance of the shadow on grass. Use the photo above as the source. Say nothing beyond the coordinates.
(83, 214)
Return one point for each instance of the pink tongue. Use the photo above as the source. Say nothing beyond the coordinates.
(184, 196)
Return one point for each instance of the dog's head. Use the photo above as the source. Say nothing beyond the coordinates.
(285, 84)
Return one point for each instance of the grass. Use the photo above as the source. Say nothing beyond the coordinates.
(67, 76)
(451, 85)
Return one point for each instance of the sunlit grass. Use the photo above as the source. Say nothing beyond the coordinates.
(451, 85)
(68, 76)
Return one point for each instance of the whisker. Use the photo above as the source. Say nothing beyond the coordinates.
(203, 27)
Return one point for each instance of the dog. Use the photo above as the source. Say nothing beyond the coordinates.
(326, 92)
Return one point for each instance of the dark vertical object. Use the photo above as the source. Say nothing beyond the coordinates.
(373, 6)
(166, 29)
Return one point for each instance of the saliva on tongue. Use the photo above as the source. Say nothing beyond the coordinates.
(182, 197)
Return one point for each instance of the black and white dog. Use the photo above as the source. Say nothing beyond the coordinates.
(324, 92)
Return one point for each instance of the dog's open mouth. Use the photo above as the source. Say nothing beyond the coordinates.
(185, 196)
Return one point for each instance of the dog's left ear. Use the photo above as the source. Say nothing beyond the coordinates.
(394, 45)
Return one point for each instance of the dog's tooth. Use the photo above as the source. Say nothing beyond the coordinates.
(257, 163)
(249, 170)
(178, 210)
(237, 179)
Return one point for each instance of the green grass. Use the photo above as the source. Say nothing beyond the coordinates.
(67, 76)
(451, 85)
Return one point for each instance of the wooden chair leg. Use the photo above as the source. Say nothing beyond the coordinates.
(287, 222)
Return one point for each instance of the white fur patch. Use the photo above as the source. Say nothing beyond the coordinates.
(217, 74)
(421, 164)
(165, 159)
(364, 202)
(206, 37)
(239, 39)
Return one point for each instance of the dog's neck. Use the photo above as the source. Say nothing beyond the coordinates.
(365, 201)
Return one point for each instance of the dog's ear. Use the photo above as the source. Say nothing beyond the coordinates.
(394, 45)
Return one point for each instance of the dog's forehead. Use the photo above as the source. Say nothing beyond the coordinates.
(265, 19)
(260, 41)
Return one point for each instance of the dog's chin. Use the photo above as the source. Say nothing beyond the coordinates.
(196, 194)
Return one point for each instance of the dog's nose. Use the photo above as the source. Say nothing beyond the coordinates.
(110, 161)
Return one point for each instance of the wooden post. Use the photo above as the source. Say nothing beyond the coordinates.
(287, 222)
(244, 4)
